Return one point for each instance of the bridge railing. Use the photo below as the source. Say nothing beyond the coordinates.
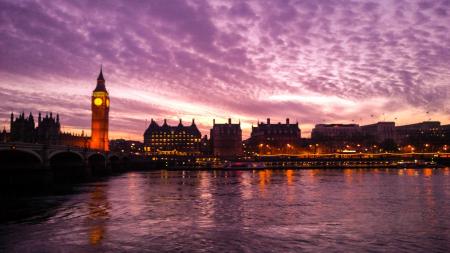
(38, 146)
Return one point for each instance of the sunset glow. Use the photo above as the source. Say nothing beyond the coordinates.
(311, 61)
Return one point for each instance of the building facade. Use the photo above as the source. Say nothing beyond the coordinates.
(330, 138)
(75, 140)
(226, 139)
(48, 129)
(172, 140)
(379, 132)
(100, 115)
(126, 146)
(335, 132)
(267, 138)
(419, 134)
(22, 128)
(4, 136)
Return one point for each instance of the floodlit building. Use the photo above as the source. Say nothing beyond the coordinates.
(172, 140)
(100, 115)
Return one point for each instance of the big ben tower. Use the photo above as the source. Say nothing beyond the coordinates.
(100, 115)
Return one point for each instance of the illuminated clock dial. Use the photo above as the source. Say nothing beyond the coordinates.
(98, 101)
(107, 102)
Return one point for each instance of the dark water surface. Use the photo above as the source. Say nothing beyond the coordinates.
(249, 211)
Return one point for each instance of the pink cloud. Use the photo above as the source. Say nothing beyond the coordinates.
(206, 59)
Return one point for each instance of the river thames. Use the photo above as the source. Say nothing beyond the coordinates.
(406, 210)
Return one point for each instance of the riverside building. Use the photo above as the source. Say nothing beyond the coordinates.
(271, 139)
(226, 139)
(380, 131)
(172, 140)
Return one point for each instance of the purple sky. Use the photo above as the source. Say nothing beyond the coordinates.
(333, 61)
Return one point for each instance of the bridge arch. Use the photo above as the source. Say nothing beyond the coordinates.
(96, 154)
(113, 158)
(67, 165)
(58, 152)
(20, 157)
(97, 163)
(22, 169)
(115, 163)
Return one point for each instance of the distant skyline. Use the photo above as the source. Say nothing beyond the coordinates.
(332, 61)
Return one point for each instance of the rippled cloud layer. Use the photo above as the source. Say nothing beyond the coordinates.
(311, 61)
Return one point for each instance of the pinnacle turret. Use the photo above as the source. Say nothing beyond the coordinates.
(100, 82)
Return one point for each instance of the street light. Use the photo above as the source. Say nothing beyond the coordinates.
(288, 148)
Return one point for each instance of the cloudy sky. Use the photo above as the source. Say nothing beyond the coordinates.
(333, 61)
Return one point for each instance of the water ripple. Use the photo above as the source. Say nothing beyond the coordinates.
(250, 211)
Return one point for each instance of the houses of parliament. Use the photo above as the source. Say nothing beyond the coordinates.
(48, 128)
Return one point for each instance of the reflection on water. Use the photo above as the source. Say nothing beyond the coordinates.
(98, 214)
(207, 210)
(244, 211)
(262, 180)
(428, 172)
(289, 176)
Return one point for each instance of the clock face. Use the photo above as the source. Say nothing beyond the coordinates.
(98, 101)
(107, 102)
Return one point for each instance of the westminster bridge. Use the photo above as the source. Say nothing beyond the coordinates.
(28, 163)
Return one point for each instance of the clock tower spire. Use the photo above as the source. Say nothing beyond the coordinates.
(100, 115)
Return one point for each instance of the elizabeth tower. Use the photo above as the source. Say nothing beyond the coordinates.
(100, 115)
